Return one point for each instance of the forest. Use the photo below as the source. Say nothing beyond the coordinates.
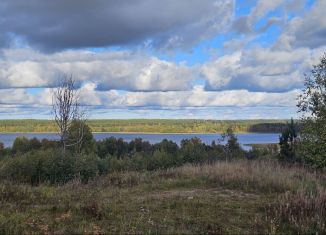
(152, 126)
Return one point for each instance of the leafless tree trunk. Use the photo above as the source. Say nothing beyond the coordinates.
(66, 110)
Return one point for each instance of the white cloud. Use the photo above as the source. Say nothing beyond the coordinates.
(109, 70)
(197, 97)
(260, 69)
(16, 97)
(308, 30)
(246, 24)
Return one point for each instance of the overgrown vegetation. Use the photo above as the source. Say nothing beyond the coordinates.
(252, 197)
(33, 161)
(312, 104)
(113, 186)
(289, 144)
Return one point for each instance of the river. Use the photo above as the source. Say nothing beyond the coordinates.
(243, 138)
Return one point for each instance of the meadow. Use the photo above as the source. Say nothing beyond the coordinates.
(237, 197)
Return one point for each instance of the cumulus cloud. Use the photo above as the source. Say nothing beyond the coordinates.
(197, 97)
(122, 70)
(308, 30)
(16, 97)
(255, 69)
(41, 40)
(62, 24)
(201, 98)
(246, 24)
(260, 69)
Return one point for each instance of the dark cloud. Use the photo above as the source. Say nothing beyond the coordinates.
(62, 24)
(243, 25)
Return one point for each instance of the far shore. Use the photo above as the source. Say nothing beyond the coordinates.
(156, 133)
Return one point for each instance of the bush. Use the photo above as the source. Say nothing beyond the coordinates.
(112, 146)
(24, 145)
(87, 167)
(48, 163)
(163, 160)
(193, 150)
(289, 143)
(50, 166)
(20, 145)
(80, 138)
(3, 151)
(167, 146)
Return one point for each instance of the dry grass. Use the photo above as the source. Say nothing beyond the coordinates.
(263, 176)
(302, 212)
(251, 197)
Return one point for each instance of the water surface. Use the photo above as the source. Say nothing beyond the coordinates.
(243, 138)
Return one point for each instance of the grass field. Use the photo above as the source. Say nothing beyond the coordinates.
(251, 197)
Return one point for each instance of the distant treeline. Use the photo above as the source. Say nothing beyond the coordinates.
(153, 126)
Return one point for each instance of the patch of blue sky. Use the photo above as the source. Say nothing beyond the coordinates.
(309, 4)
(218, 113)
(33, 91)
(278, 13)
(200, 53)
(199, 82)
(244, 7)
(267, 38)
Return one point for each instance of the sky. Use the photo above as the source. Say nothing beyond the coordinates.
(196, 59)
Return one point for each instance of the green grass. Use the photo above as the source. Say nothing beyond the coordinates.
(224, 198)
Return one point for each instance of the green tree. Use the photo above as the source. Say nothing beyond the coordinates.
(232, 147)
(2, 149)
(20, 145)
(80, 137)
(288, 143)
(312, 105)
(34, 144)
(193, 150)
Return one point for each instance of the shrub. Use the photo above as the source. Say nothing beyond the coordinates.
(87, 167)
(163, 160)
(49, 166)
(288, 143)
(80, 137)
(3, 151)
(112, 146)
(192, 150)
(20, 145)
(167, 146)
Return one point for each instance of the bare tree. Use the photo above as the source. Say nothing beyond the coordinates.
(66, 110)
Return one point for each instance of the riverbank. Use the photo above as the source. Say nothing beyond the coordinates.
(148, 126)
(145, 133)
